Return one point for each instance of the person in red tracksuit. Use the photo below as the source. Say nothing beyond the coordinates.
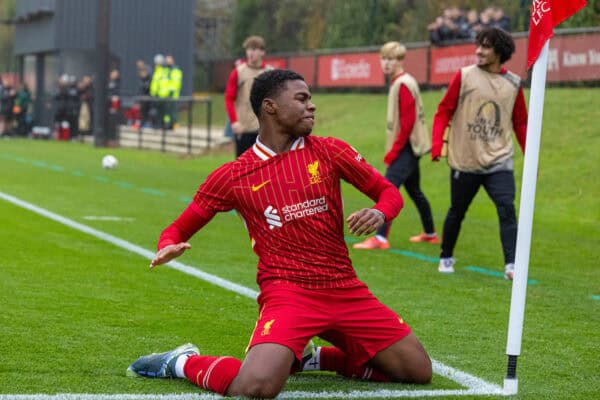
(237, 94)
(483, 106)
(407, 141)
(287, 188)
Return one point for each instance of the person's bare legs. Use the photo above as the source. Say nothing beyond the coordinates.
(404, 361)
(264, 371)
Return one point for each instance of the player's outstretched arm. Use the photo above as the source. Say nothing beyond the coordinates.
(365, 221)
(168, 253)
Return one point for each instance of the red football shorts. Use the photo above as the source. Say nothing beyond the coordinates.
(352, 319)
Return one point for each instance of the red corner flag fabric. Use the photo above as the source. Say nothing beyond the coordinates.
(545, 15)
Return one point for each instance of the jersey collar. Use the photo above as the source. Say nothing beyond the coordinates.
(398, 75)
(264, 153)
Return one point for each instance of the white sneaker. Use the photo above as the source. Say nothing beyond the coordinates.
(311, 357)
(446, 265)
(509, 271)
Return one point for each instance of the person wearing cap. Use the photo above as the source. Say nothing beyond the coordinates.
(244, 123)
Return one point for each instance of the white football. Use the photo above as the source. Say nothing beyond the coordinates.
(109, 162)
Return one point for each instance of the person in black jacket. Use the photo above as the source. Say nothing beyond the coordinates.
(7, 102)
(114, 106)
(144, 90)
(73, 105)
(61, 108)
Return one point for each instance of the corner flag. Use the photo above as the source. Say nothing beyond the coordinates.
(545, 16)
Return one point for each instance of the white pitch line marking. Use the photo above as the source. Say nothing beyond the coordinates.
(474, 385)
(107, 218)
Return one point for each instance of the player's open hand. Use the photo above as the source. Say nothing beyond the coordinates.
(168, 253)
(365, 221)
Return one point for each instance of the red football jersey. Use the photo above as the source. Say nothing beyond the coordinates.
(292, 206)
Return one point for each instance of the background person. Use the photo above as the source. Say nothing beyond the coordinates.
(145, 78)
(7, 103)
(159, 88)
(114, 107)
(407, 141)
(74, 105)
(480, 149)
(305, 291)
(21, 109)
(85, 88)
(244, 123)
(63, 103)
(174, 79)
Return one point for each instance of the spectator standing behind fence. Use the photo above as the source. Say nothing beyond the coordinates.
(7, 102)
(73, 106)
(457, 24)
(114, 106)
(85, 88)
(484, 104)
(159, 88)
(244, 123)
(174, 79)
(499, 19)
(469, 25)
(407, 141)
(62, 111)
(21, 109)
(145, 80)
(446, 27)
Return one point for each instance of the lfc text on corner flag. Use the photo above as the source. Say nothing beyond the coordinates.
(545, 15)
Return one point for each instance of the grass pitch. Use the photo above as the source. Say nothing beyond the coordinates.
(77, 310)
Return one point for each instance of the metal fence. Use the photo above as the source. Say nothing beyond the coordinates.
(151, 132)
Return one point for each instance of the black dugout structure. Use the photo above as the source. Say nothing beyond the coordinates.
(86, 37)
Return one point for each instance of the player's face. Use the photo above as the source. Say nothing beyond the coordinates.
(295, 110)
(254, 57)
(487, 57)
(389, 66)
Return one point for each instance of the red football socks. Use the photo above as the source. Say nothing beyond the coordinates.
(333, 359)
(212, 373)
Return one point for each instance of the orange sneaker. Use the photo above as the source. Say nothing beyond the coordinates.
(372, 243)
(424, 238)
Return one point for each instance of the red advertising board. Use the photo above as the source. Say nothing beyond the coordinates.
(446, 61)
(221, 71)
(343, 70)
(518, 62)
(305, 66)
(277, 63)
(574, 58)
(415, 63)
(570, 58)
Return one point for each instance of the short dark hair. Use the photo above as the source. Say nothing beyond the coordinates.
(269, 84)
(498, 39)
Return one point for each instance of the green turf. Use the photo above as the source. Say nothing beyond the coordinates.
(76, 310)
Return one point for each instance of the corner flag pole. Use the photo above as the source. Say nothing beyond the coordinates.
(530, 167)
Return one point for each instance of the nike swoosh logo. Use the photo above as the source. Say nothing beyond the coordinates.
(256, 188)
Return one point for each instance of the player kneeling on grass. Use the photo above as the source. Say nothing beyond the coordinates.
(287, 189)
